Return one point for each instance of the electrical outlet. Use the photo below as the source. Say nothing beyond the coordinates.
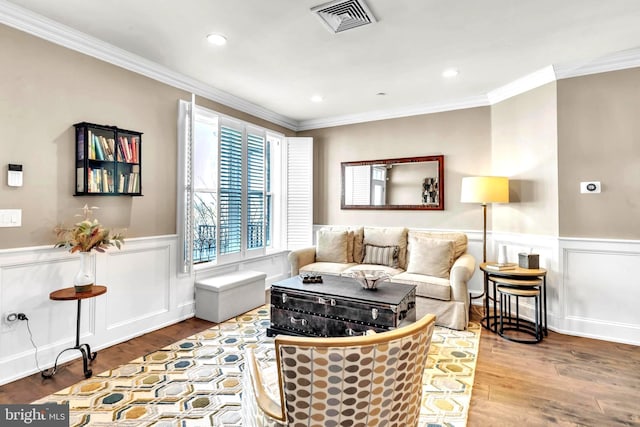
(10, 321)
(7, 324)
(12, 317)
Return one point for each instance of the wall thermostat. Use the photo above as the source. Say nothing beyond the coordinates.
(14, 175)
(590, 187)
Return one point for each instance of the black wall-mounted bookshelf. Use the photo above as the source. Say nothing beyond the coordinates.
(108, 161)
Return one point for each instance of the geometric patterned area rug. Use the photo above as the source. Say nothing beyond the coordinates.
(198, 381)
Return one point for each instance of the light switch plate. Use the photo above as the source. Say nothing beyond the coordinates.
(10, 217)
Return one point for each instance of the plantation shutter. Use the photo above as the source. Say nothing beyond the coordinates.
(299, 192)
(184, 215)
(255, 191)
(268, 195)
(230, 203)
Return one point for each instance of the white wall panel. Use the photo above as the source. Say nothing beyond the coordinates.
(593, 287)
(139, 283)
(601, 289)
(144, 293)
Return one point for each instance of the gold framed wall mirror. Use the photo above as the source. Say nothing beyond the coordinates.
(408, 183)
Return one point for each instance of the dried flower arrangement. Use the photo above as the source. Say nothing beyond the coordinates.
(87, 235)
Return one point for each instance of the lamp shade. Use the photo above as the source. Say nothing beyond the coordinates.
(485, 189)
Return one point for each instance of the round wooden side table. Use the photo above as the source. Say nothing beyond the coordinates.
(70, 294)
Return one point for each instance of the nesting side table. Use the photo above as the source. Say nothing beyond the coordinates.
(70, 294)
(517, 274)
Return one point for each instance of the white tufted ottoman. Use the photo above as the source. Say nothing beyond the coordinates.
(222, 297)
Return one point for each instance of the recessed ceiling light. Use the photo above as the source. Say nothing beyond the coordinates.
(381, 94)
(217, 39)
(316, 98)
(450, 72)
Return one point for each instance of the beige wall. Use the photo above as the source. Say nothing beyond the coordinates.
(524, 147)
(546, 140)
(463, 136)
(44, 90)
(599, 140)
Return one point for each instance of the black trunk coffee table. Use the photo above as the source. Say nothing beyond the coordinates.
(338, 307)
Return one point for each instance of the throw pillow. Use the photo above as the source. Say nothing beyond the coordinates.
(431, 257)
(459, 239)
(350, 240)
(381, 255)
(354, 241)
(358, 244)
(389, 236)
(331, 246)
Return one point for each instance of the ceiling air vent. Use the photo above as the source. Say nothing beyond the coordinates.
(341, 15)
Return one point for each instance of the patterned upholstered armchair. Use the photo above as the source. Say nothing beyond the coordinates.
(367, 380)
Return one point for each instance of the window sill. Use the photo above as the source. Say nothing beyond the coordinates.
(208, 266)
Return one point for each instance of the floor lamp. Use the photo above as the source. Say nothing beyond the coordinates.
(485, 189)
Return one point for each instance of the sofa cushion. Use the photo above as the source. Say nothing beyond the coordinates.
(431, 257)
(381, 255)
(389, 236)
(331, 268)
(459, 239)
(331, 246)
(426, 286)
(359, 267)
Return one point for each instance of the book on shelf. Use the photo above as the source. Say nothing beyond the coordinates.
(80, 180)
(500, 267)
(125, 148)
(134, 149)
(97, 147)
(105, 148)
(80, 146)
(90, 151)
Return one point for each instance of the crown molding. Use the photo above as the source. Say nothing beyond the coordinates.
(415, 110)
(522, 85)
(39, 26)
(55, 32)
(613, 62)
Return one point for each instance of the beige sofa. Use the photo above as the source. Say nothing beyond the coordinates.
(436, 262)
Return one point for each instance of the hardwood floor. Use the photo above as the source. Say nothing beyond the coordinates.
(563, 380)
(34, 387)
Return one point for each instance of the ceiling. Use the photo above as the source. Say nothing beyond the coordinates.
(279, 53)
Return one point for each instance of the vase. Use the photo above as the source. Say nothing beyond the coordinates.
(84, 279)
(502, 254)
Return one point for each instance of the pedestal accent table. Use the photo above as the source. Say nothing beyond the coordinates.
(70, 294)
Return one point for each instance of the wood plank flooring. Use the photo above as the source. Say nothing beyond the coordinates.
(563, 381)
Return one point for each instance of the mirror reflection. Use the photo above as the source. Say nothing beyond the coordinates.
(404, 183)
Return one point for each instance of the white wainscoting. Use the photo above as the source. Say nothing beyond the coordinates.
(592, 287)
(601, 289)
(144, 293)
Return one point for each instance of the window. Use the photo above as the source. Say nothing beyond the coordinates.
(234, 185)
(257, 167)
